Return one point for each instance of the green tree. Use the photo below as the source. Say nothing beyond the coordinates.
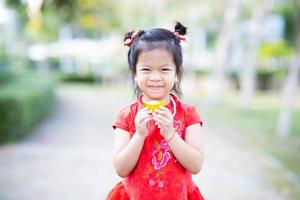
(290, 86)
(86, 17)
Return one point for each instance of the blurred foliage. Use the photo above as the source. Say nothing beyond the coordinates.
(3, 55)
(6, 76)
(275, 49)
(200, 72)
(273, 72)
(288, 13)
(267, 77)
(24, 101)
(273, 66)
(211, 38)
(92, 18)
(19, 5)
(88, 17)
(78, 77)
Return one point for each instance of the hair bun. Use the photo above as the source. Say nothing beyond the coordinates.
(128, 35)
(180, 29)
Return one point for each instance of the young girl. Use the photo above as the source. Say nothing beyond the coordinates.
(156, 151)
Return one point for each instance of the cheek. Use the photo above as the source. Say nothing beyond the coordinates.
(172, 79)
(139, 81)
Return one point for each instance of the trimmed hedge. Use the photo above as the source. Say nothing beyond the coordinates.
(23, 102)
(76, 77)
(6, 76)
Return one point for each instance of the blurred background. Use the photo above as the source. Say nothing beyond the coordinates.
(64, 77)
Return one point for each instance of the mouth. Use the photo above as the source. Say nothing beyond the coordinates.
(155, 87)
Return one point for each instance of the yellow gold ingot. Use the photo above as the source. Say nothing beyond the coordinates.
(152, 105)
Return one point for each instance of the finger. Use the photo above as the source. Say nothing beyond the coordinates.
(163, 116)
(143, 116)
(145, 110)
(145, 123)
(164, 108)
(163, 111)
(146, 116)
(161, 121)
(146, 120)
(157, 124)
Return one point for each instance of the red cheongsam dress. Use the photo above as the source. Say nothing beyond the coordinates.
(157, 175)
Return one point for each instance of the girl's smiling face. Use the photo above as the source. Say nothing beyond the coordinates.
(155, 74)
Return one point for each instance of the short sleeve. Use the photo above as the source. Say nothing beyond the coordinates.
(123, 119)
(192, 116)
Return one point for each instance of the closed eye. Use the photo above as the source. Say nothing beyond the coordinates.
(166, 69)
(144, 69)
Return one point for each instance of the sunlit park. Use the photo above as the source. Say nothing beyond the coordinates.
(64, 77)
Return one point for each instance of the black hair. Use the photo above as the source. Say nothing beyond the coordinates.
(145, 40)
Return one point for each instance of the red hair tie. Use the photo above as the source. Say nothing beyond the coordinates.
(130, 40)
(180, 37)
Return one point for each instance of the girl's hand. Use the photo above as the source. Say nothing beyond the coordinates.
(141, 120)
(164, 120)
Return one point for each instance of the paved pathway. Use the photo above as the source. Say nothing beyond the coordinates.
(68, 157)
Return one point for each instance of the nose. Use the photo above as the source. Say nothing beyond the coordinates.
(155, 76)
